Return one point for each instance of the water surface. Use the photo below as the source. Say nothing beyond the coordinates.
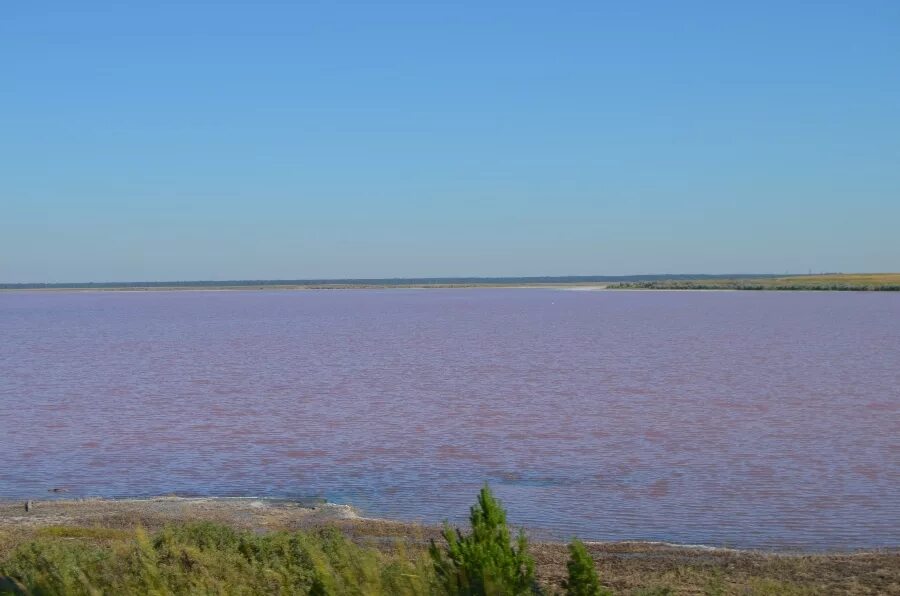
(749, 419)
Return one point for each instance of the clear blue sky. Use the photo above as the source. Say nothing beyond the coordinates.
(219, 140)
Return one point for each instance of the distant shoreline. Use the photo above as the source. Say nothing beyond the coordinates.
(306, 287)
(825, 282)
(372, 283)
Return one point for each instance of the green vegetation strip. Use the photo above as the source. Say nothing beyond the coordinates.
(213, 558)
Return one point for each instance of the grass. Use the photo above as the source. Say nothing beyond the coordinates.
(828, 282)
(90, 533)
(212, 558)
(207, 558)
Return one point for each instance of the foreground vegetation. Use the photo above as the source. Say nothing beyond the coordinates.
(117, 555)
(206, 558)
(889, 282)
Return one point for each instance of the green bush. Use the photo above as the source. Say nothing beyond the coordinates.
(583, 579)
(484, 562)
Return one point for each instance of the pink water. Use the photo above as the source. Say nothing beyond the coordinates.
(749, 419)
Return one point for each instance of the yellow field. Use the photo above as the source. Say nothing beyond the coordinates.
(864, 279)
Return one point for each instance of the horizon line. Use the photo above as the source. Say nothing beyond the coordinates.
(401, 280)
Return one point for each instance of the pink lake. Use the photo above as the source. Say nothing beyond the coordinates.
(747, 419)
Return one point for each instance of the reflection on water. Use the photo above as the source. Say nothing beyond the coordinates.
(745, 419)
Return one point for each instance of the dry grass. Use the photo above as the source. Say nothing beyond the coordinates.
(629, 568)
(862, 279)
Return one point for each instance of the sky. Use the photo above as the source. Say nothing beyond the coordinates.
(222, 140)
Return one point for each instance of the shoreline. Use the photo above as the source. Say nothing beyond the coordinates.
(627, 567)
(612, 287)
(582, 287)
(561, 288)
(269, 513)
(743, 281)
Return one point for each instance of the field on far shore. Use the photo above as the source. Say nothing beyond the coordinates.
(825, 282)
(626, 567)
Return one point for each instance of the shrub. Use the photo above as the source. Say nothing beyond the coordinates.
(583, 579)
(484, 562)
